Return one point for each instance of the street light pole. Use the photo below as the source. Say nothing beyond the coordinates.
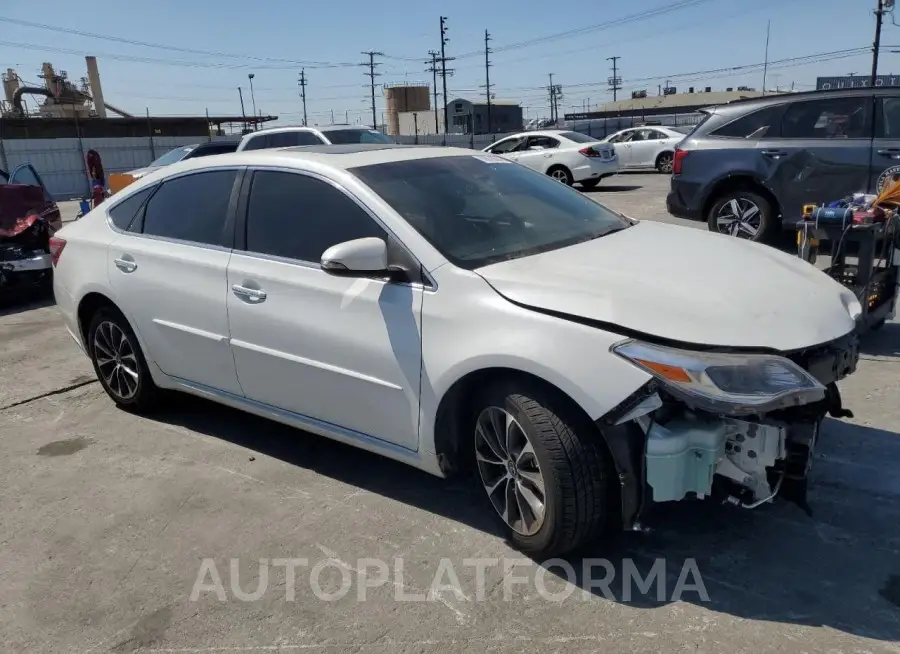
(252, 96)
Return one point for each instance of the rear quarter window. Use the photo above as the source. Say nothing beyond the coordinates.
(760, 123)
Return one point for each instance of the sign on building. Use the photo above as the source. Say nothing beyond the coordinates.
(855, 81)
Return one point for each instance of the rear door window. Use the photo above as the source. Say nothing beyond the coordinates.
(191, 208)
(827, 118)
(542, 142)
(759, 124)
(125, 211)
(887, 118)
(507, 146)
(291, 139)
(260, 142)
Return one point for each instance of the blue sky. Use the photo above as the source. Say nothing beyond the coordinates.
(273, 39)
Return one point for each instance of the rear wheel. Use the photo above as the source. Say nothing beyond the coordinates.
(542, 466)
(119, 362)
(664, 163)
(588, 184)
(743, 214)
(561, 174)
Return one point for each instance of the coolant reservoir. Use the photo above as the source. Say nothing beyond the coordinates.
(682, 456)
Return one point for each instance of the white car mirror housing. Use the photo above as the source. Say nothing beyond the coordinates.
(362, 256)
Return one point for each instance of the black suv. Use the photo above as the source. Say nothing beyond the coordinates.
(752, 164)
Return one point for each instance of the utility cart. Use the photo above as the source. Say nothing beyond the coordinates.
(864, 257)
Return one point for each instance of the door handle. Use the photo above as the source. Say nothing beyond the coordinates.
(774, 154)
(893, 153)
(255, 294)
(125, 265)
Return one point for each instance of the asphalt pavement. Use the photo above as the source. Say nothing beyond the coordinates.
(115, 529)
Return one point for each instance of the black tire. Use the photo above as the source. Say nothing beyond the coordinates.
(146, 394)
(664, 163)
(572, 462)
(589, 184)
(764, 225)
(562, 174)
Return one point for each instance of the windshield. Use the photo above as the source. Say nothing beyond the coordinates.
(342, 136)
(481, 209)
(172, 156)
(578, 137)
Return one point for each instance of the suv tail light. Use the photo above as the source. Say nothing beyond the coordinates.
(56, 248)
(676, 162)
(590, 152)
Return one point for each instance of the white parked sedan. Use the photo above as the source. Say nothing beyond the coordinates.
(568, 157)
(646, 147)
(454, 311)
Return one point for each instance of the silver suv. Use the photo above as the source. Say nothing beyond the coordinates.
(750, 166)
(285, 137)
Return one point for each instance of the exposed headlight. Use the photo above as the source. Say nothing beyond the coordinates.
(725, 383)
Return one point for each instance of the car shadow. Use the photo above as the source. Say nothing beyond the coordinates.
(13, 302)
(611, 188)
(838, 567)
(883, 342)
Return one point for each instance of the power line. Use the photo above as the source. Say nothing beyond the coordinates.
(302, 83)
(372, 75)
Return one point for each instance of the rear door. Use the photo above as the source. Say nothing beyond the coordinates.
(168, 271)
(623, 146)
(820, 153)
(538, 152)
(886, 145)
(26, 174)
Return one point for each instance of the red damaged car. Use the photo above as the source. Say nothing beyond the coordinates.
(28, 218)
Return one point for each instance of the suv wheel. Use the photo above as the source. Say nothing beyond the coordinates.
(119, 362)
(743, 214)
(542, 467)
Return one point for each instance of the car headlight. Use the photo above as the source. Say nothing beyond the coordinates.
(725, 382)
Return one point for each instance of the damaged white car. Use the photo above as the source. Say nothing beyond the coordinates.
(456, 311)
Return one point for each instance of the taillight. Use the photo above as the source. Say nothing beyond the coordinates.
(676, 162)
(56, 248)
(589, 152)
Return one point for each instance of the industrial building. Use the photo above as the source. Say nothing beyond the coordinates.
(468, 117)
(69, 110)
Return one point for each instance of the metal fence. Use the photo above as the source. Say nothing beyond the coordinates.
(60, 162)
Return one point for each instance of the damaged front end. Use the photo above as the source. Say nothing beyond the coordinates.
(740, 428)
(27, 220)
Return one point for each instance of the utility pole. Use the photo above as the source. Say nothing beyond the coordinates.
(372, 75)
(879, 15)
(243, 113)
(766, 62)
(487, 79)
(444, 61)
(434, 71)
(302, 83)
(552, 90)
(615, 82)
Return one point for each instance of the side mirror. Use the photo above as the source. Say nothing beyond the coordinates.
(361, 257)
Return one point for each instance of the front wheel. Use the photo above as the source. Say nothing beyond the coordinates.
(542, 466)
(561, 174)
(743, 214)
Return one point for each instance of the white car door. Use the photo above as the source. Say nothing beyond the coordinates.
(168, 272)
(622, 143)
(539, 152)
(508, 148)
(340, 350)
(643, 148)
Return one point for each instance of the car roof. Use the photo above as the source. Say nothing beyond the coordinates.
(303, 128)
(541, 132)
(335, 156)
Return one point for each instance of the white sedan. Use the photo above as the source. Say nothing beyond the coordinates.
(454, 311)
(646, 147)
(568, 157)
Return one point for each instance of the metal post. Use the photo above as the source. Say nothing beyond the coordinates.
(416, 125)
(82, 152)
(243, 113)
(444, 70)
(766, 62)
(487, 80)
(150, 135)
(4, 163)
(208, 131)
(253, 97)
(879, 14)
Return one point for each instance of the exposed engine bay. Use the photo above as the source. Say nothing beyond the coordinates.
(741, 455)
(28, 218)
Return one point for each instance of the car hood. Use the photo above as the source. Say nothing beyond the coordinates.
(683, 284)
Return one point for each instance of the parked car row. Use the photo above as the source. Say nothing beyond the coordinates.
(457, 312)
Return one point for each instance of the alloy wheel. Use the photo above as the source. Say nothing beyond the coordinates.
(739, 217)
(116, 360)
(560, 175)
(510, 471)
(665, 163)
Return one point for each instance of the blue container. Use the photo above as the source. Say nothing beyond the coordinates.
(85, 206)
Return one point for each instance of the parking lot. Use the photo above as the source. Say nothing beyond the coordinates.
(109, 520)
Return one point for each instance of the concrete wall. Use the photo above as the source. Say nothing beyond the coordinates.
(60, 162)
